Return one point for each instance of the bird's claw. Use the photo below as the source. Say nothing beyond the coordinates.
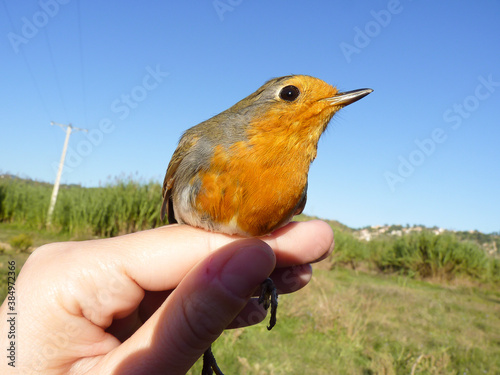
(210, 364)
(269, 297)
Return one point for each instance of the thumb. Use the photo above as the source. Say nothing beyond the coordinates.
(204, 303)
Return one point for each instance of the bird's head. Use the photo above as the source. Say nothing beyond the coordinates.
(292, 110)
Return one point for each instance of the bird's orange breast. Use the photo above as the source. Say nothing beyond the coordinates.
(249, 188)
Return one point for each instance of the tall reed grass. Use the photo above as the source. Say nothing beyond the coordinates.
(120, 207)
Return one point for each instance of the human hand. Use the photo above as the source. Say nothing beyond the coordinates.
(149, 302)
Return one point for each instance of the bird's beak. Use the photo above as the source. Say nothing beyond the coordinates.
(348, 97)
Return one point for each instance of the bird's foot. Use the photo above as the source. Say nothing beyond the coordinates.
(269, 297)
(210, 364)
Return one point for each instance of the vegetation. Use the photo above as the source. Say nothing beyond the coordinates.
(348, 322)
(423, 255)
(22, 242)
(438, 256)
(122, 207)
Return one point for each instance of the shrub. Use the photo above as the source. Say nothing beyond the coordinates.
(428, 255)
(348, 250)
(22, 242)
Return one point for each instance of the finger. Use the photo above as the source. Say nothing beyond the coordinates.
(205, 302)
(151, 302)
(291, 279)
(125, 327)
(287, 280)
(158, 259)
(301, 243)
(253, 313)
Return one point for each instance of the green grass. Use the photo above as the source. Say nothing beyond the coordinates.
(421, 255)
(40, 236)
(120, 207)
(356, 323)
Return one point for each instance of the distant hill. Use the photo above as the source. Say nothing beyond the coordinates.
(333, 223)
(489, 242)
(7, 176)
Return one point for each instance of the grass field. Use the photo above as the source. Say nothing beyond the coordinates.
(119, 207)
(419, 304)
(349, 322)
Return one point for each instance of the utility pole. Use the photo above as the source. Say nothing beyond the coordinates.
(69, 129)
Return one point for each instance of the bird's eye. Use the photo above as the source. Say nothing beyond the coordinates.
(289, 93)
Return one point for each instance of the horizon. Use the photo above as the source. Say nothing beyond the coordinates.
(112, 181)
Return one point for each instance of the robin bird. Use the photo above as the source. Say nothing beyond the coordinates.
(244, 171)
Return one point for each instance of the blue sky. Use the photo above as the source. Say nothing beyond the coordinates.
(423, 148)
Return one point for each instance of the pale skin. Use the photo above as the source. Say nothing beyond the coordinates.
(150, 302)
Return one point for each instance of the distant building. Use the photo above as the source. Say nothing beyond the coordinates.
(365, 235)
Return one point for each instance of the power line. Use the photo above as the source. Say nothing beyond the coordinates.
(82, 66)
(32, 76)
(56, 75)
